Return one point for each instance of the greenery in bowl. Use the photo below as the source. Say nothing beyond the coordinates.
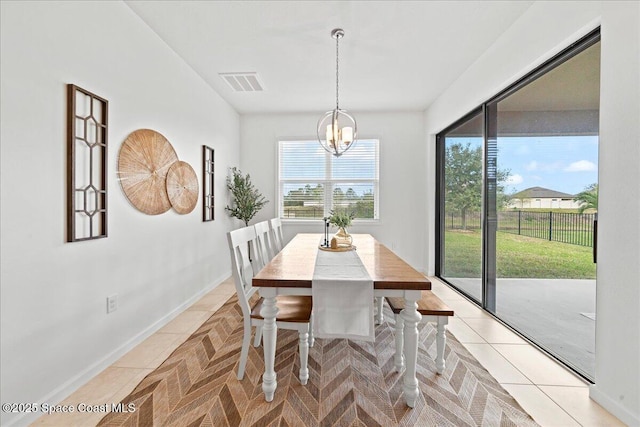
(341, 218)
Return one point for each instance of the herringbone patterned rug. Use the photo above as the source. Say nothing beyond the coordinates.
(351, 384)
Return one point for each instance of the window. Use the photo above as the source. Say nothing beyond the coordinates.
(311, 181)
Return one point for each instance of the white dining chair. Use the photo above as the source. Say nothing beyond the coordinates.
(294, 312)
(276, 230)
(264, 254)
(265, 245)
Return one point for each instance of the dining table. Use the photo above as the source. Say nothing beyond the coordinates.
(291, 272)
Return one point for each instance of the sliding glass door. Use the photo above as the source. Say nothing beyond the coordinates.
(521, 242)
(460, 187)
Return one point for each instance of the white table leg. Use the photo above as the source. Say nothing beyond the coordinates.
(411, 317)
(269, 336)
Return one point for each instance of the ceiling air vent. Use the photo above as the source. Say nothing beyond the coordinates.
(243, 82)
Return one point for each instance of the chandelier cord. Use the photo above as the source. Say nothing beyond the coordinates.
(337, 41)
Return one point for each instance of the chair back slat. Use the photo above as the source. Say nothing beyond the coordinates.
(240, 242)
(276, 230)
(263, 234)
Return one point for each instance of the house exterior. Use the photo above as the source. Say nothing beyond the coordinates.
(542, 198)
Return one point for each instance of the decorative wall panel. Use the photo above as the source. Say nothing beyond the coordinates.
(87, 135)
(208, 205)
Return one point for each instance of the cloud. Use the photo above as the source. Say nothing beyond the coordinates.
(533, 165)
(581, 166)
(515, 179)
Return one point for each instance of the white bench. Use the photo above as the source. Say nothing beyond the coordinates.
(432, 309)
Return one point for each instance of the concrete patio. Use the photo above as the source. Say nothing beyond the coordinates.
(556, 314)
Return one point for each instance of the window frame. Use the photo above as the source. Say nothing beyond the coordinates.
(327, 183)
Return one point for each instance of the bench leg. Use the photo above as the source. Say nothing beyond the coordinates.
(399, 357)
(441, 339)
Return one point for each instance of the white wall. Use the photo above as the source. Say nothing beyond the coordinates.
(401, 135)
(544, 30)
(56, 333)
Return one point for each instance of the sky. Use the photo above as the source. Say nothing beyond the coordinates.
(562, 163)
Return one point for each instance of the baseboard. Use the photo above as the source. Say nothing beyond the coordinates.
(619, 411)
(68, 388)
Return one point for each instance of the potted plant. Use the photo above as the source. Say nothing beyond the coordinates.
(247, 200)
(342, 220)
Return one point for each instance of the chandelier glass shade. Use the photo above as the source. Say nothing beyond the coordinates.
(337, 130)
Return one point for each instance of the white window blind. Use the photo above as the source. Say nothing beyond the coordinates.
(312, 181)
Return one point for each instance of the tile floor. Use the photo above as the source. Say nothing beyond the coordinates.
(551, 394)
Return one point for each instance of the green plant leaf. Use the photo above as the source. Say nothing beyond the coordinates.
(341, 218)
(247, 200)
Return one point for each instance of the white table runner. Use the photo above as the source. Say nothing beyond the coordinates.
(342, 292)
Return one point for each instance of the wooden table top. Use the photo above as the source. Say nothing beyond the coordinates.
(294, 265)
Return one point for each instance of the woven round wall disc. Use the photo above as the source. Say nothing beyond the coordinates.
(143, 162)
(182, 187)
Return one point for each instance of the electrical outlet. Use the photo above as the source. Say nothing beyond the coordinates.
(112, 303)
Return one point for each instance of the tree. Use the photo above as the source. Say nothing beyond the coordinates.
(365, 206)
(463, 180)
(351, 194)
(247, 200)
(588, 198)
(315, 194)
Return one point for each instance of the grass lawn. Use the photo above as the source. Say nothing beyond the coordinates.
(518, 257)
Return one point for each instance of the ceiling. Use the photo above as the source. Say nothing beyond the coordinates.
(573, 85)
(395, 56)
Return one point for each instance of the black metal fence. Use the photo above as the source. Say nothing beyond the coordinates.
(456, 221)
(572, 228)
